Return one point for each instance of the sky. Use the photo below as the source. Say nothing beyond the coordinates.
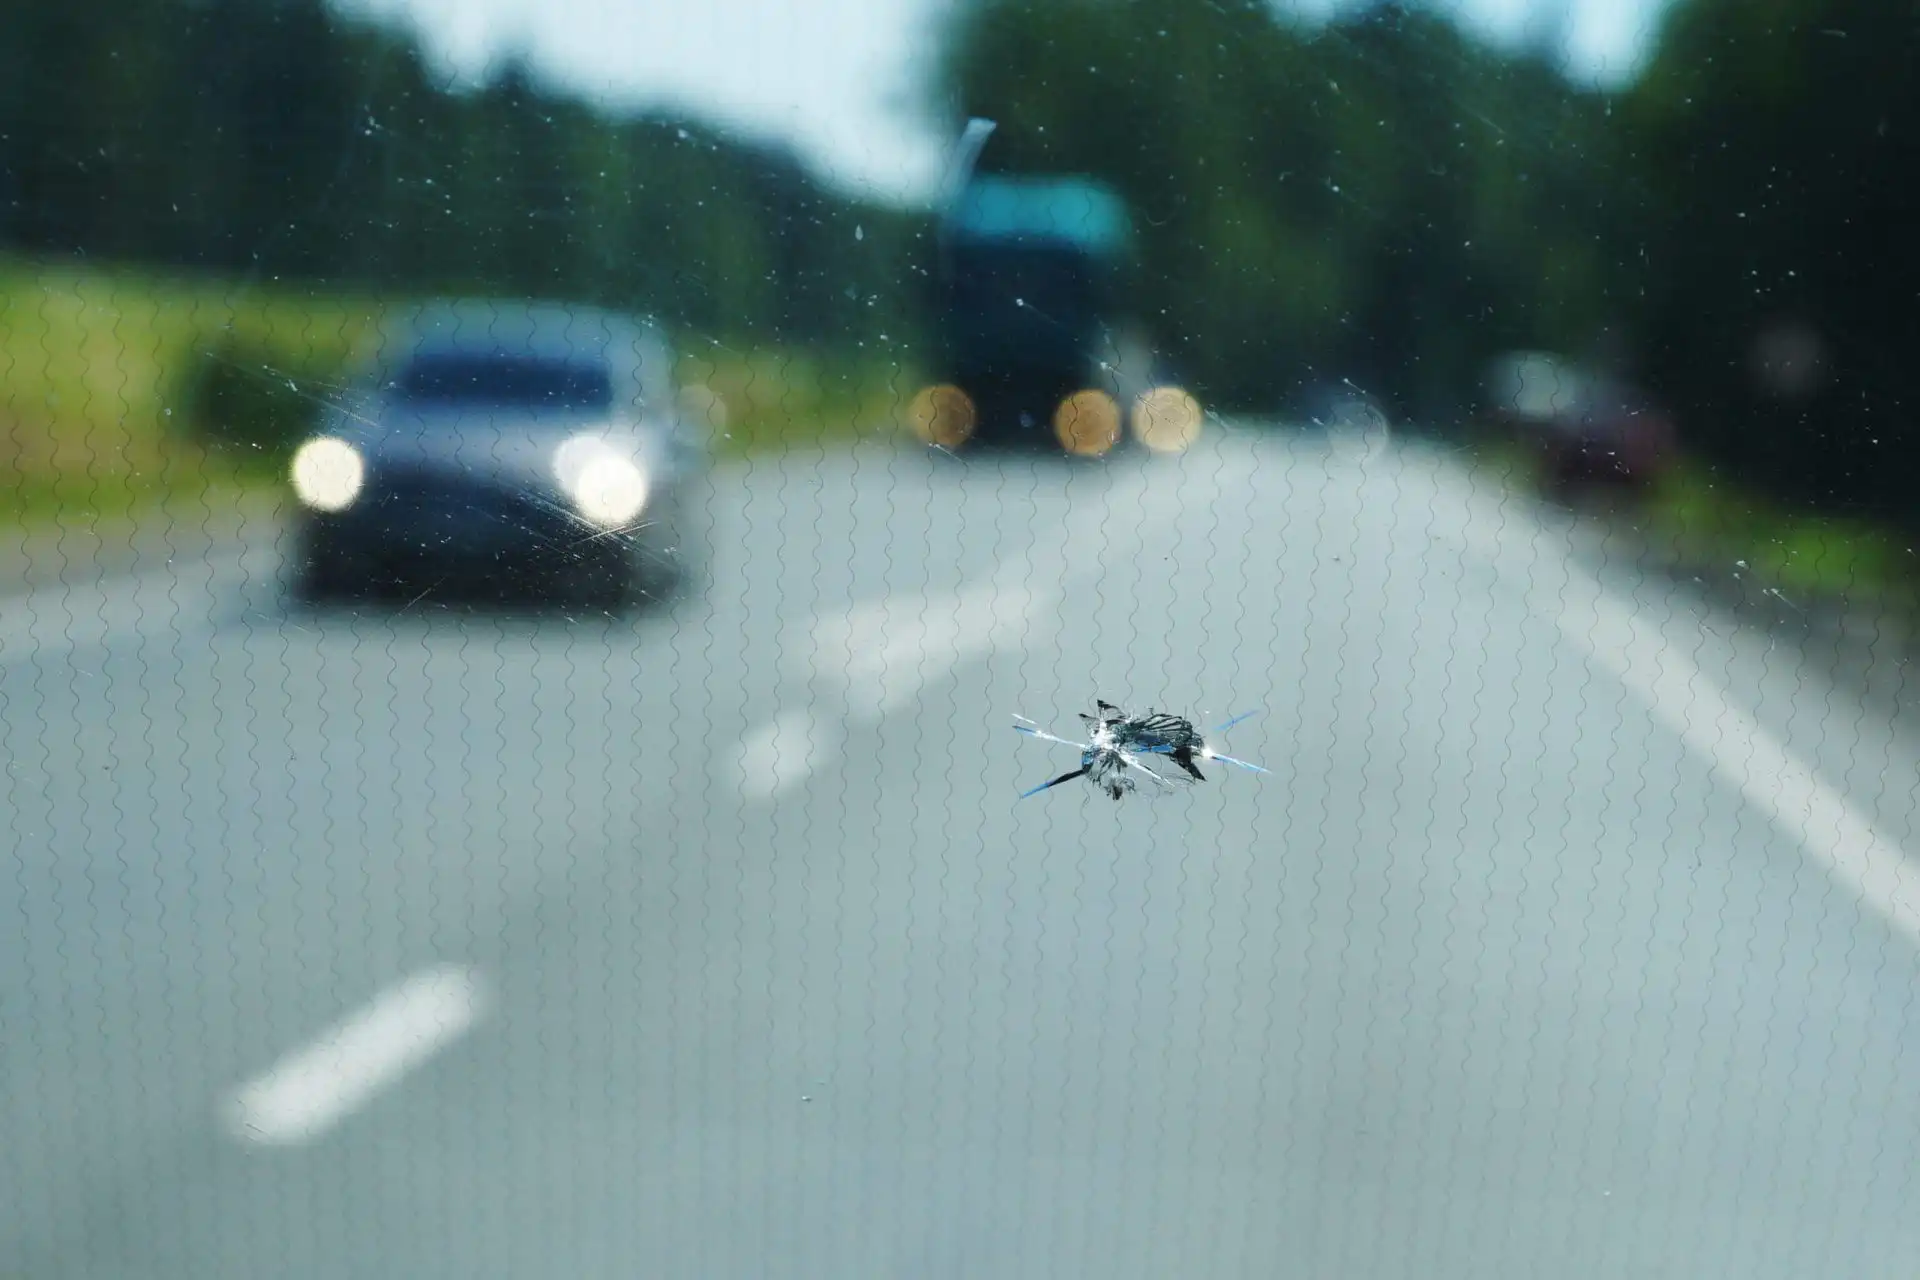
(838, 79)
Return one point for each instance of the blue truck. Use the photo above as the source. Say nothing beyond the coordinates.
(1028, 300)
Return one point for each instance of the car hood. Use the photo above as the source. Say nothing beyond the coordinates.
(501, 445)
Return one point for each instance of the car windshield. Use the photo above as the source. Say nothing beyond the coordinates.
(494, 379)
(874, 639)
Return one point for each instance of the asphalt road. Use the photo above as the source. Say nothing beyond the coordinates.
(1573, 933)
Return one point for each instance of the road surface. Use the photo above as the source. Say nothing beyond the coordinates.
(1572, 934)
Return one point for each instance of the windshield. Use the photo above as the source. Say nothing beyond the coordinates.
(463, 380)
(1067, 211)
(875, 639)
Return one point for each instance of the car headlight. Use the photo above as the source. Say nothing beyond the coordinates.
(605, 484)
(327, 474)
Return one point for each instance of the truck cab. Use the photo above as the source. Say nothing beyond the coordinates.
(1027, 295)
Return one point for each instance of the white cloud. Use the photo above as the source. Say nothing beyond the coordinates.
(1611, 38)
(836, 78)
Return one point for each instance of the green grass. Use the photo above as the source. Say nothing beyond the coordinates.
(1709, 519)
(104, 380)
(121, 387)
(777, 400)
(1701, 519)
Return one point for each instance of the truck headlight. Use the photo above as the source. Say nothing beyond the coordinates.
(942, 415)
(606, 486)
(1087, 423)
(327, 474)
(1167, 419)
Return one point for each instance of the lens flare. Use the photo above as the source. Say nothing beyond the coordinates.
(1087, 423)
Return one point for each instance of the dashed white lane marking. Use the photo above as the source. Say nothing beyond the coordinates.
(881, 655)
(1774, 781)
(779, 755)
(877, 656)
(885, 653)
(49, 622)
(315, 1087)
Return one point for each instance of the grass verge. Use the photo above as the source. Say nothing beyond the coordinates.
(1700, 522)
(122, 389)
(1709, 519)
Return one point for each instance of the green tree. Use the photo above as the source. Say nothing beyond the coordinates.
(1382, 199)
(1778, 138)
(279, 139)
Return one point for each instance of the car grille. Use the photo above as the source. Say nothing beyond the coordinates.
(449, 510)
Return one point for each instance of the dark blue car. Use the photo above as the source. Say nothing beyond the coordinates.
(503, 445)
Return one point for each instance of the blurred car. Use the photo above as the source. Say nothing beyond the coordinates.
(1529, 390)
(1589, 430)
(503, 445)
(1614, 438)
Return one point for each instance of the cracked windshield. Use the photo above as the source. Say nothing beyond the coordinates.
(958, 638)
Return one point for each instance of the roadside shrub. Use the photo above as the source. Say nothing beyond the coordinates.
(253, 399)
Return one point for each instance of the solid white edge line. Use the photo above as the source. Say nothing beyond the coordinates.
(313, 1088)
(1742, 751)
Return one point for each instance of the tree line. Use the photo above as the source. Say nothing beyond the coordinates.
(1381, 199)
(279, 140)
(1386, 200)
